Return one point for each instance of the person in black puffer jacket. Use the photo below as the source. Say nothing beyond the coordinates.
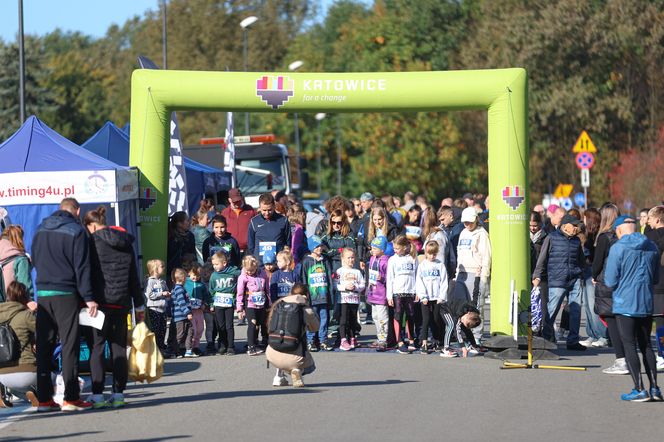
(115, 284)
(656, 235)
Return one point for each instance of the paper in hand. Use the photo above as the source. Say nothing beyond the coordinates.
(84, 318)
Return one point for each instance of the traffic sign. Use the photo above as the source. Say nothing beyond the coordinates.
(584, 144)
(585, 160)
(563, 190)
(566, 203)
(579, 199)
(585, 177)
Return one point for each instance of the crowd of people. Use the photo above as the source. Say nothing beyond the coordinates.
(419, 274)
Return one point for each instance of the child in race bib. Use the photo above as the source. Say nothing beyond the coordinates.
(350, 285)
(252, 300)
(223, 288)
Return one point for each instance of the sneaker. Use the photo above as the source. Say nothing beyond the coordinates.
(197, 351)
(32, 398)
(312, 347)
(411, 347)
(576, 347)
(656, 394)
(660, 363)
(448, 353)
(280, 381)
(587, 342)
(98, 401)
(326, 347)
(230, 352)
(353, 343)
(296, 375)
(367, 321)
(636, 396)
(190, 354)
(619, 367)
(601, 343)
(345, 345)
(242, 322)
(403, 349)
(424, 349)
(254, 351)
(5, 401)
(562, 334)
(117, 400)
(222, 351)
(51, 405)
(472, 352)
(78, 405)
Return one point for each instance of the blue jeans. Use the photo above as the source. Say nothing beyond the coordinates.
(594, 327)
(321, 311)
(556, 296)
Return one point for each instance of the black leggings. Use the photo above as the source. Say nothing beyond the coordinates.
(635, 331)
(211, 329)
(348, 321)
(255, 321)
(431, 308)
(224, 321)
(614, 335)
(115, 332)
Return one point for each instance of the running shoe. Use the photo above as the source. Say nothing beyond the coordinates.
(78, 405)
(345, 345)
(424, 349)
(117, 400)
(601, 343)
(636, 396)
(280, 381)
(312, 347)
(587, 342)
(353, 343)
(48, 406)
(98, 401)
(448, 353)
(296, 376)
(656, 394)
(403, 349)
(619, 367)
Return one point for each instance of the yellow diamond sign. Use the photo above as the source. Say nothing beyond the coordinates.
(584, 144)
(563, 191)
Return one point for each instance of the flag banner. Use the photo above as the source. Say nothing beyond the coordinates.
(229, 154)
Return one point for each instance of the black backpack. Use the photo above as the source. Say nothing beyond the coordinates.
(10, 347)
(286, 329)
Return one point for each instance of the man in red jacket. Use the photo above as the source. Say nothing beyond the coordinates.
(238, 214)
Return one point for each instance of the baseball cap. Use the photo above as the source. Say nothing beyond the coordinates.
(269, 257)
(314, 241)
(235, 195)
(469, 215)
(379, 242)
(367, 196)
(468, 196)
(569, 219)
(623, 219)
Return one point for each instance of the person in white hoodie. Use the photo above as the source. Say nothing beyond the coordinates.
(431, 288)
(400, 288)
(473, 263)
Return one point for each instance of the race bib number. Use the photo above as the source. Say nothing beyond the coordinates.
(350, 298)
(257, 298)
(465, 244)
(405, 268)
(195, 303)
(317, 280)
(267, 246)
(373, 277)
(223, 300)
(284, 289)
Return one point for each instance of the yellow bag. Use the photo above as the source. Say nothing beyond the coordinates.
(145, 360)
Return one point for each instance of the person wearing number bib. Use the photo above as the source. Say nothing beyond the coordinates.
(431, 290)
(376, 296)
(268, 231)
(284, 278)
(252, 290)
(223, 289)
(413, 227)
(315, 273)
(350, 285)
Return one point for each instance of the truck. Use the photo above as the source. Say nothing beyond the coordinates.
(261, 165)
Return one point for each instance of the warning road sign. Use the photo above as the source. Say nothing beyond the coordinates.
(584, 144)
(563, 190)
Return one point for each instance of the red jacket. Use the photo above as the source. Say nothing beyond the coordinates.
(238, 224)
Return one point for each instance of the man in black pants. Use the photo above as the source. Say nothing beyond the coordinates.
(61, 256)
(632, 269)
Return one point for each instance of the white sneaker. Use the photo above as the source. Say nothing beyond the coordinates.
(660, 363)
(600, 343)
(280, 379)
(473, 352)
(587, 342)
(619, 367)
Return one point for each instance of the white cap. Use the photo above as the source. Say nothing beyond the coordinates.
(469, 215)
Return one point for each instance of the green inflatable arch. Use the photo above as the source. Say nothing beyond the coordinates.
(502, 92)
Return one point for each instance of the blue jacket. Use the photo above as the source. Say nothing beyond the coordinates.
(268, 234)
(632, 269)
(180, 303)
(561, 260)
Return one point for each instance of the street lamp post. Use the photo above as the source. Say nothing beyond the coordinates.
(21, 63)
(164, 41)
(338, 155)
(293, 67)
(245, 24)
(319, 117)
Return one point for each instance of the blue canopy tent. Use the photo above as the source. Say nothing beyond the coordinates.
(39, 167)
(112, 143)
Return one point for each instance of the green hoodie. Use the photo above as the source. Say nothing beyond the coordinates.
(223, 286)
(24, 325)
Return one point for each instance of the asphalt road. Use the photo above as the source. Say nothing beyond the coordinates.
(361, 396)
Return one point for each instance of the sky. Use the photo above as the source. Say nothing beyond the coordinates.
(91, 17)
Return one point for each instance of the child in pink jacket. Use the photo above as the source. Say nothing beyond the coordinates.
(253, 300)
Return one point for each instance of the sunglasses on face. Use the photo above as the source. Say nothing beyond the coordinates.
(337, 223)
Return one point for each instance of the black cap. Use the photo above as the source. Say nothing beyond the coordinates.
(569, 219)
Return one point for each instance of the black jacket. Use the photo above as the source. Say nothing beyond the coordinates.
(603, 294)
(657, 236)
(61, 255)
(115, 278)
